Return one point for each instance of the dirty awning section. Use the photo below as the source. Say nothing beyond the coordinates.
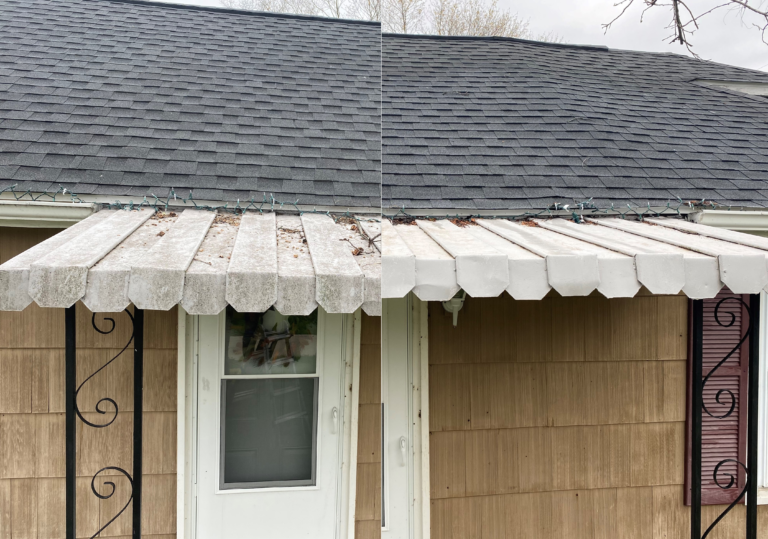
(485, 257)
(203, 261)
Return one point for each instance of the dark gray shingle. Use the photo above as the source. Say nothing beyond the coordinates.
(148, 92)
(557, 122)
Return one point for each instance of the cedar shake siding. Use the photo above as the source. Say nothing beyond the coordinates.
(562, 418)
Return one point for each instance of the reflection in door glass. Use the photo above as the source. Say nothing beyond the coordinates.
(268, 432)
(270, 343)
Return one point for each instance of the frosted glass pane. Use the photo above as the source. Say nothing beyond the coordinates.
(269, 430)
(270, 343)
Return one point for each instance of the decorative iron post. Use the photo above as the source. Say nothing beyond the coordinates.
(725, 397)
(70, 381)
(73, 412)
(752, 414)
(697, 398)
(138, 415)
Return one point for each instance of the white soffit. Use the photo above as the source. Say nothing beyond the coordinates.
(613, 256)
(201, 260)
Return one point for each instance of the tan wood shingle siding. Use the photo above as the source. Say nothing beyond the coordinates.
(562, 418)
(368, 503)
(32, 502)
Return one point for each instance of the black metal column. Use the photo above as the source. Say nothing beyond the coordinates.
(70, 383)
(752, 414)
(138, 416)
(696, 409)
(104, 487)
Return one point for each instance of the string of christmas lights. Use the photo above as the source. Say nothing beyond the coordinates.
(577, 210)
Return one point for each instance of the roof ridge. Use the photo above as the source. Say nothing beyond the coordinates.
(574, 46)
(496, 38)
(232, 11)
(693, 59)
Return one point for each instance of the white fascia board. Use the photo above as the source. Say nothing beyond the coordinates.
(742, 221)
(35, 214)
(393, 213)
(178, 203)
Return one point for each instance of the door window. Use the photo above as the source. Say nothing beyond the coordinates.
(269, 400)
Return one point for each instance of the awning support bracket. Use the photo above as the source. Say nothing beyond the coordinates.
(108, 487)
(723, 479)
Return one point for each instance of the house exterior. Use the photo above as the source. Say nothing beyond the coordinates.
(287, 277)
(191, 285)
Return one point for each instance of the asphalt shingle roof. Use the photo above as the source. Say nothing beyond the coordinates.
(509, 124)
(129, 98)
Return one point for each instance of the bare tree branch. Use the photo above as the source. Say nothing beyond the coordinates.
(457, 18)
(330, 8)
(684, 21)
(366, 10)
(300, 7)
(403, 16)
(440, 17)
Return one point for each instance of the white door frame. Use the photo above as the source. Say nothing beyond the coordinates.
(186, 424)
(405, 340)
(397, 442)
(420, 355)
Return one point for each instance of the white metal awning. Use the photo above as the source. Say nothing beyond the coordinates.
(202, 260)
(435, 259)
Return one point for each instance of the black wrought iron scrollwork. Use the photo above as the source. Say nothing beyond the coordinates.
(731, 481)
(103, 483)
(100, 404)
(101, 408)
(110, 494)
(716, 476)
(722, 392)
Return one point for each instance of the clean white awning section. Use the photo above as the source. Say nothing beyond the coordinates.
(434, 259)
(204, 261)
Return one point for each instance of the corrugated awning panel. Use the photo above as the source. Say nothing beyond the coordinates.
(201, 260)
(613, 256)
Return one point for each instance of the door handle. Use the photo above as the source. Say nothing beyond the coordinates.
(335, 418)
(403, 450)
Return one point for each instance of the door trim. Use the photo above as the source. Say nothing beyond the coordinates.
(421, 481)
(186, 422)
(348, 490)
(404, 404)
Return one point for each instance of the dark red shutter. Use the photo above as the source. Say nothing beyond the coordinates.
(721, 438)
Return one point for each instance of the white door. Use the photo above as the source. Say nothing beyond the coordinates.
(269, 441)
(396, 397)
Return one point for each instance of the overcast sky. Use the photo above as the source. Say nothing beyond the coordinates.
(723, 36)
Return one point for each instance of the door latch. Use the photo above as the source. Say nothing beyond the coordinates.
(335, 417)
(403, 450)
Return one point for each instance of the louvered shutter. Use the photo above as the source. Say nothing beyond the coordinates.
(721, 438)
